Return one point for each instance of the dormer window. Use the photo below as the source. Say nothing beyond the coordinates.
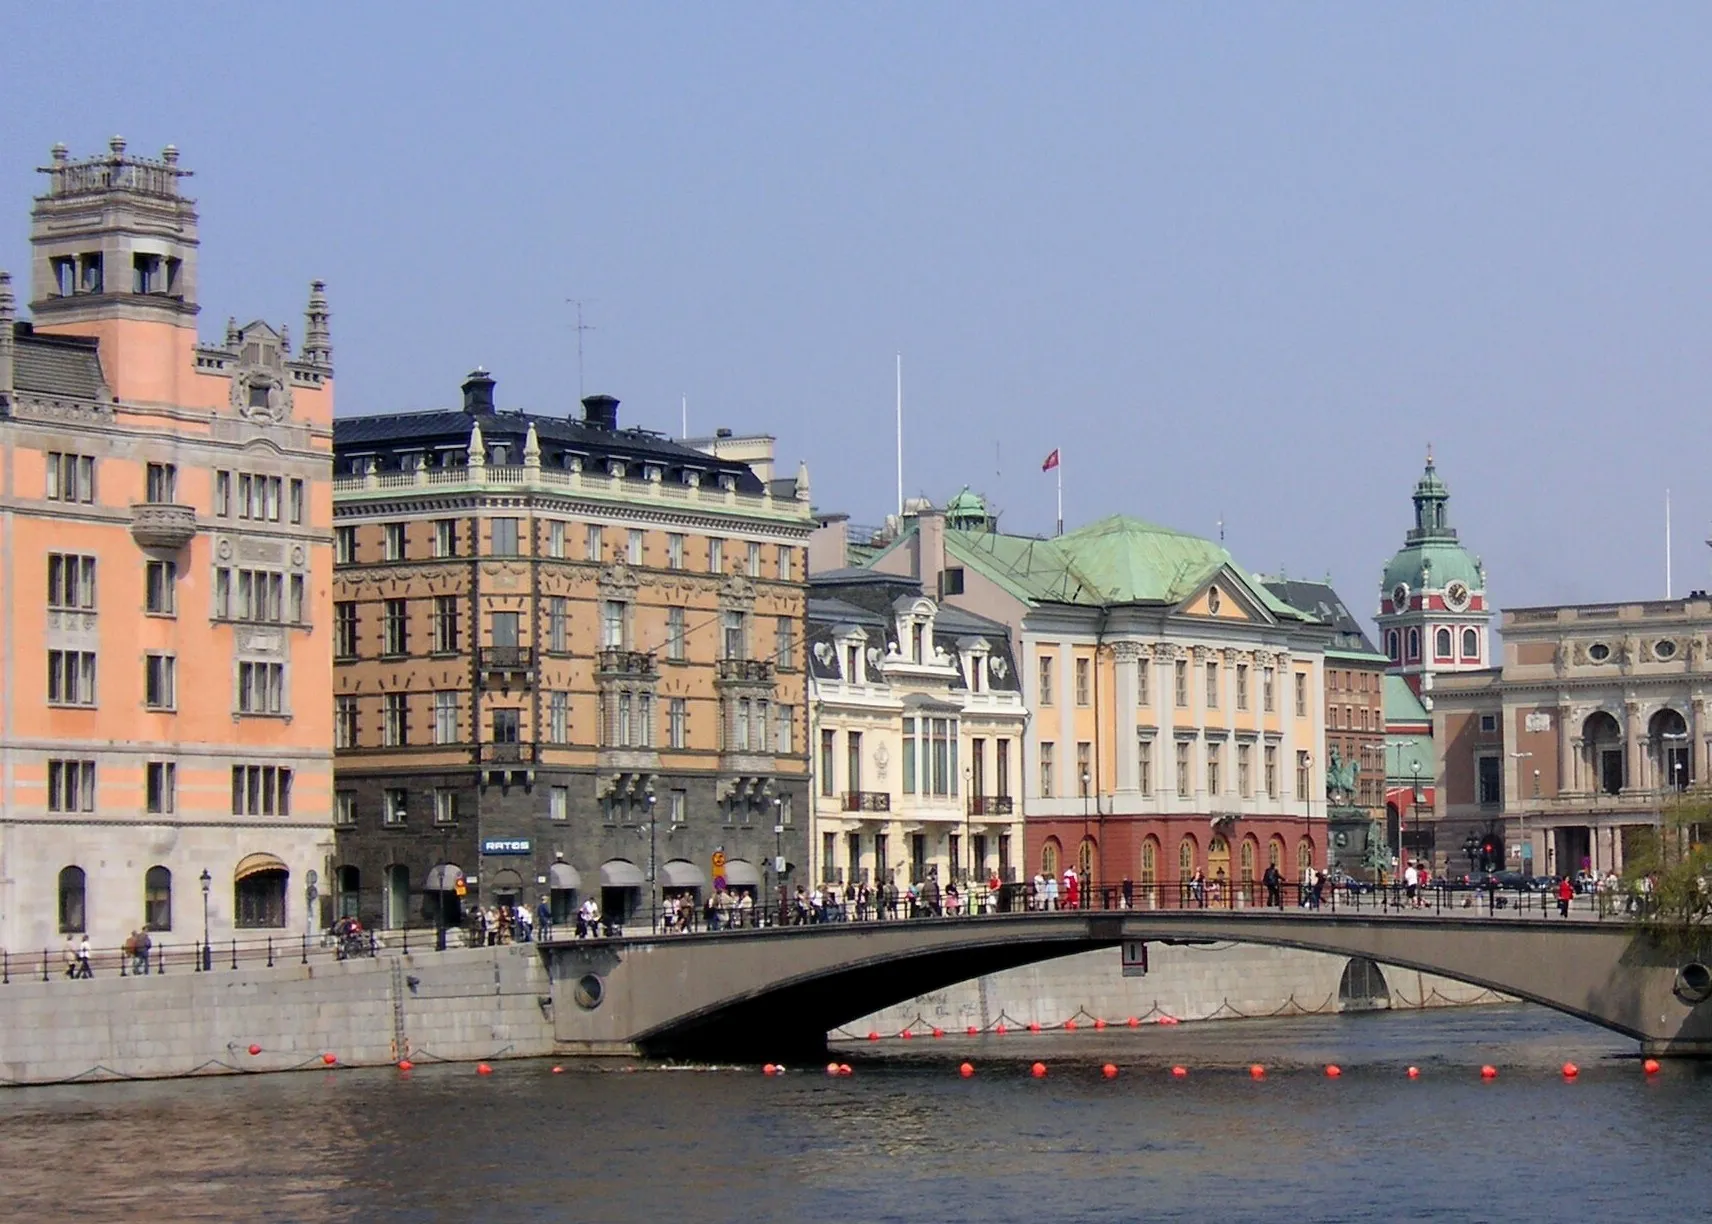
(497, 454)
(918, 642)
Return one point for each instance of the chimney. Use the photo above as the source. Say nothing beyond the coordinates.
(930, 548)
(8, 317)
(478, 392)
(600, 412)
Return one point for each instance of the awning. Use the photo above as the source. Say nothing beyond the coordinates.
(681, 873)
(443, 878)
(740, 873)
(620, 873)
(255, 864)
(505, 881)
(563, 875)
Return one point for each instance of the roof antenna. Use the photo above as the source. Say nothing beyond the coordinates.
(1221, 526)
(580, 329)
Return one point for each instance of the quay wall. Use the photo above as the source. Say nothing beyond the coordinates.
(457, 1005)
(1230, 982)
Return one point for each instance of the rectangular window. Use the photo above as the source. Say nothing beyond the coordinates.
(261, 688)
(445, 624)
(785, 643)
(71, 582)
(612, 617)
(502, 537)
(734, 634)
(909, 758)
(71, 786)
(754, 560)
(261, 790)
(1083, 685)
(445, 806)
(1215, 757)
(395, 723)
(785, 569)
(250, 595)
(344, 629)
(1045, 680)
(679, 806)
(1244, 770)
(1490, 780)
(70, 477)
(71, 677)
(678, 723)
(294, 609)
(446, 716)
(783, 735)
(445, 537)
(675, 634)
(558, 617)
(1002, 769)
(394, 806)
(1212, 686)
(829, 759)
(345, 545)
(675, 551)
(1180, 683)
(502, 628)
(1143, 695)
(345, 808)
(1271, 768)
(160, 484)
(559, 717)
(344, 722)
(1242, 686)
(559, 803)
(507, 726)
(594, 549)
(223, 494)
(853, 760)
(1046, 779)
(296, 500)
(160, 788)
(1301, 694)
(1304, 782)
(160, 682)
(556, 539)
(396, 637)
(1144, 767)
(1084, 768)
(1185, 780)
(633, 547)
(1268, 701)
(393, 541)
(259, 497)
(716, 556)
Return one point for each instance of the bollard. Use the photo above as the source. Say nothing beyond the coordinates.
(160, 958)
(305, 949)
(44, 964)
(234, 954)
(5, 968)
(198, 957)
(270, 952)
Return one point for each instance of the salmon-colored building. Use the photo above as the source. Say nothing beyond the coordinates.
(165, 553)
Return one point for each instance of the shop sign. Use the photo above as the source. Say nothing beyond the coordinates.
(505, 845)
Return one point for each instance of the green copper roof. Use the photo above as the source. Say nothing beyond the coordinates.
(1402, 753)
(1401, 704)
(1431, 558)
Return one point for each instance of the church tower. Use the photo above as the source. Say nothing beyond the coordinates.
(1433, 615)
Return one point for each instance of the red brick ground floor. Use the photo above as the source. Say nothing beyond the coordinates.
(1168, 849)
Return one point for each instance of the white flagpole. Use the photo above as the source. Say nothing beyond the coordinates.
(900, 435)
(1058, 470)
(1667, 543)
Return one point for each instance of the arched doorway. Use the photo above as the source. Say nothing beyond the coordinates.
(72, 913)
(1150, 872)
(347, 886)
(1672, 760)
(1275, 853)
(1304, 858)
(1249, 864)
(563, 884)
(506, 888)
(1362, 987)
(441, 905)
(258, 892)
(1049, 858)
(621, 884)
(1188, 855)
(1218, 869)
(1602, 752)
(680, 881)
(395, 908)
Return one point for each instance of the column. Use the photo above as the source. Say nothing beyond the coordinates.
(1697, 731)
(1566, 779)
(1126, 656)
(1635, 763)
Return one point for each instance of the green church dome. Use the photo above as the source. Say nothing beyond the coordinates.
(1431, 558)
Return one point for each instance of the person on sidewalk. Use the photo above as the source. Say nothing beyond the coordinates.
(83, 967)
(1565, 894)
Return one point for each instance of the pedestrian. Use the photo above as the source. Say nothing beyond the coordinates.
(1411, 884)
(84, 970)
(1274, 881)
(70, 955)
(1072, 889)
(1565, 893)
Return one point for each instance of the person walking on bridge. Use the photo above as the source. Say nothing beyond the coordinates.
(1274, 881)
(1565, 894)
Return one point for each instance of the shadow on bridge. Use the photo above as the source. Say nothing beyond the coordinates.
(757, 994)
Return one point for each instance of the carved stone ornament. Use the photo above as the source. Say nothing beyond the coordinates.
(997, 668)
(261, 391)
(737, 592)
(617, 582)
(1126, 652)
(882, 759)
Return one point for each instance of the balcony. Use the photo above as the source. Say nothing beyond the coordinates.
(867, 801)
(614, 662)
(508, 754)
(507, 658)
(744, 671)
(991, 805)
(162, 525)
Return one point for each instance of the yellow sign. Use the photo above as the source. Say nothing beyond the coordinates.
(718, 868)
(460, 888)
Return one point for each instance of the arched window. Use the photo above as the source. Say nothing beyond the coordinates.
(1441, 643)
(1275, 852)
(1249, 853)
(1049, 859)
(1186, 858)
(71, 906)
(1304, 857)
(1085, 857)
(1150, 860)
(157, 899)
(1393, 644)
(1414, 643)
(1470, 644)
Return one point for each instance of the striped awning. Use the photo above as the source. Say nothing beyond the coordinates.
(255, 864)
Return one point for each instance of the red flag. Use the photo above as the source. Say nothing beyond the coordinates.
(1051, 461)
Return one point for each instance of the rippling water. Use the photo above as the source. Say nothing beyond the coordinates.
(906, 1139)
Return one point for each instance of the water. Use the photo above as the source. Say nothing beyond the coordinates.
(905, 1139)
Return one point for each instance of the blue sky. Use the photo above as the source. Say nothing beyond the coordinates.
(1236, 260)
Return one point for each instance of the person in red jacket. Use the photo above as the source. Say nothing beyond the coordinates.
(1565, 893)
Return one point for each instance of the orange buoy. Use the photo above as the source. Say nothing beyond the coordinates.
(1414, 1073)
(906, 1035)
(1333, 1071)
(966, 1070)
(558, 1070)
(768, 1069)
(1132, 1022)
(329, 1059)
(1069, 1026)
(1038, 1070)
(939, 1032)
(1570, 1070)
(1179, 1073)
(1099, 1024)
(844, 1069)
(1651, 1066)
(404, 1064)
(1034, 1026)
(1109, 1071)
(483, 1069)
(1168, 1020)
(1000, 1030)
(872, 1035)
(1488, 1072)
(832, 1068)
(972, 1030)
(1257, 1072)
(255, 1049)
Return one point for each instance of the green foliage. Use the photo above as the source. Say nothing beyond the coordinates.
(1670, 867)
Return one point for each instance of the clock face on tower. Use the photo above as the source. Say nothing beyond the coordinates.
(1400, 597)
(1456, 595)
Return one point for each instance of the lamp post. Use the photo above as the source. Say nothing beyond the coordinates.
(968, 827)
(207, 948)
(653, 870)
(1415, 767)
(1083, 859)
(1526, 850)
(779, 851)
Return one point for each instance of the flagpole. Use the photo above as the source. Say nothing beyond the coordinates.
(1058, 470)
(900, 435)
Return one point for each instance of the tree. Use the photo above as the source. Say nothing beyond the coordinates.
(1670, 868)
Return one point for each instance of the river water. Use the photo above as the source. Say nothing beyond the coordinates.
(906, 1139)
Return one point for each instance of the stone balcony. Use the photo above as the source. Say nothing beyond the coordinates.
(991, 805)
(634, 663)
(744, 671)
(163, 525)
(867, 801)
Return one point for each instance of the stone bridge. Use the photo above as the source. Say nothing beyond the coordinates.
(775, 993)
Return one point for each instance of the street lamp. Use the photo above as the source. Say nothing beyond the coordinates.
(1415, 768)
(779, 851)
(1083, 859)
(968, 828)
(207, 949)
(1526, 852)
(653, 871)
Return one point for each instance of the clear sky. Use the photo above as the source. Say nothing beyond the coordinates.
(1241, 260)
